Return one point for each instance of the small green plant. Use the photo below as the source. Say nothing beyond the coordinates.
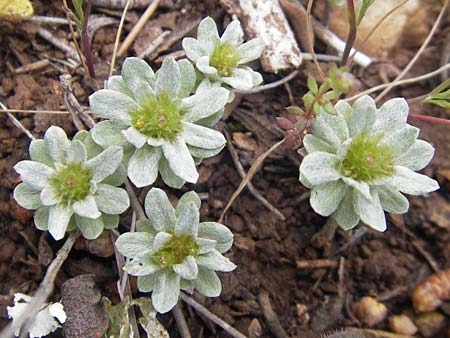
(72, 184)
(160, 125)
(172, 250)
(222, 59)
(440, 96)
(360, 161)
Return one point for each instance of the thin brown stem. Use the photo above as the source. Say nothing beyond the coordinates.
(431, 119)
(309, 30)
(119, 32)
(351, 36)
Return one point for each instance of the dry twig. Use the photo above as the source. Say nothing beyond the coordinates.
(316, 264)
(250, 186)
(16, 122)
(181, 321)
(211, 316)
(250, 173)
(270, 316)
(138, 27)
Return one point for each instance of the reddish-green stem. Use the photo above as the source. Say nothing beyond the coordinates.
(351, 31)
(431, 119)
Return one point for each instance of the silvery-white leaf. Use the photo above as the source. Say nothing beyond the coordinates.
(77, 152)
(216, 261)
(207, 34)
(401, 140)
(166, 291)
(58, 219)
(39, 153)
(205, 245)
(204, 66)
(202, 137)
(142, 264)
(110, 221)
(108, 133)
(144, 225)
(168, 78)
(233, 34)
(105, 163)
(48, 196)
(41, 218)
(190, 196)
(392, 200)
(168, 176)
(331, 128)
(143, 93)
(325, 198)
(90, 228)
(392, 115)
(92, 148)
(193, 49)
(180, 160)
(143, 166)
(417, 156)
(257, 79)
(131, 244)
(361, 120)
(188, 269)
(313, 143)
(117, 83)
(86, 208)
(215, 231)
(159, 210)
(343, 108)
(27, 197)
(250, 50)
(147, 283)
(155, 142)
(345, 215)
(364, 101)
(56, 143)
(204, 104)
(240, 79)
(111, 200)
(134, 137)
(188, 77)
(201, 153)
(360, 186)
(370, 212)
(304, 181)
(188, 219)
(35, 174)
(135, 71)
(409, 182)
(117, 177)
(224, 247)
(112, 105)
(160, 239)
(320, 167)
(207, 282)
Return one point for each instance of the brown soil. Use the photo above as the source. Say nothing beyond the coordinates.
(308, 302)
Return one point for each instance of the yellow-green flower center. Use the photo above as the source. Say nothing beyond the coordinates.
(175, 250)
(366, 160)
(159, 117)
(71, 183)
(224, 58)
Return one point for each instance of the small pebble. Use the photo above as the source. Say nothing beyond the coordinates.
(370, 311)
(402, 324)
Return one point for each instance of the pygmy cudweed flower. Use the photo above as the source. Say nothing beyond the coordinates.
(362, 159)
(72, 184)
(171, 250)
(223, 59)
(161, 127)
